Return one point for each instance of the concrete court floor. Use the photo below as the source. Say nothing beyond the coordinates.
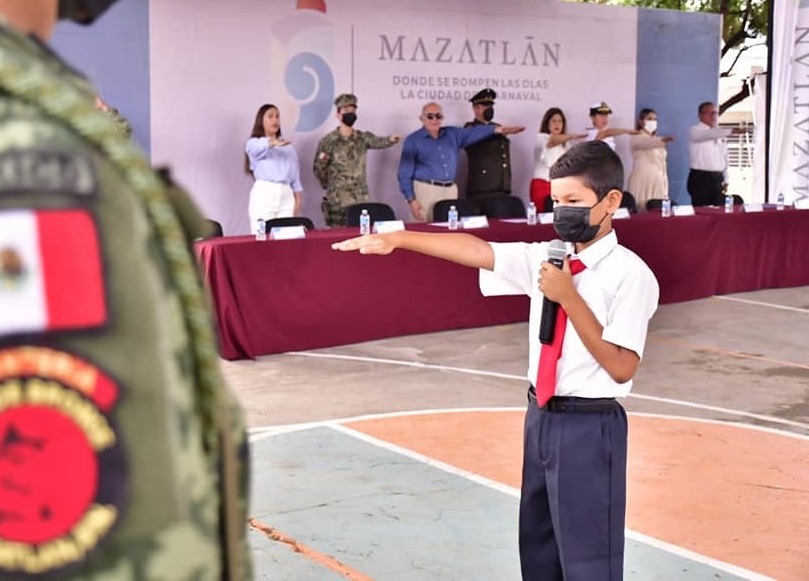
(399, 459)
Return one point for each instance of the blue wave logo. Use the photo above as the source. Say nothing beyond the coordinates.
(309, 79)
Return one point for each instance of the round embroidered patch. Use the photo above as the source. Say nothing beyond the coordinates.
(63, 475)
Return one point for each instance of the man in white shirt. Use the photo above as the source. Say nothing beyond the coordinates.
(573, 495)
(708, 157)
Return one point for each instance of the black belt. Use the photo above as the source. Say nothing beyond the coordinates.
(573, 405)
(711, 173)
(437, 183)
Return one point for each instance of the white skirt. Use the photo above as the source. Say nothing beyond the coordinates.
(269, 200)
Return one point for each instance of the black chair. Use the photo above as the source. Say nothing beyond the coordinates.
(290, 221)
(628, 202)
(215, 229)
(378, 211)
(738, 200)
(548, 207)
(656, 204)
(465, 208)
(501, 206)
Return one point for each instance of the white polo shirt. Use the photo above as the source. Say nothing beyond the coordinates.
(707, 150)
(592, 132)
(618, 287)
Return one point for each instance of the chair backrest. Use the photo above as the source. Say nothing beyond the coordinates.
(378, 211)
(501, 206)
(656, 204)
(465, 208)
(216, 229)
(628, 202)
(738, 200)
(291, 221)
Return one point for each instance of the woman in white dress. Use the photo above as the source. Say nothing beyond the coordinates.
(649, 179)
(552, 141)
(273, 163)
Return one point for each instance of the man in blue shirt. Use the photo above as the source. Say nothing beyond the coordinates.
(430, 159)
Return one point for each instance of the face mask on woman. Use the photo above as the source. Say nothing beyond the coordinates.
(650, 125)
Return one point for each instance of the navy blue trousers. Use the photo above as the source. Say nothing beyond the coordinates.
(573, 502)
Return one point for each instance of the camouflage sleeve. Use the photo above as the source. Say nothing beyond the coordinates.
(321, 163)
(121, 121)
(374, 142)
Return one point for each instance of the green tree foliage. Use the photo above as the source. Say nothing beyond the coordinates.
(741, 20)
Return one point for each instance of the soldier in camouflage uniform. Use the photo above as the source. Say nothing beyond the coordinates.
(340, 161)
(122, 453)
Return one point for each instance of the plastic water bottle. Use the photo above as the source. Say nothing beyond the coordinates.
(728, 204)
(452, 218)
(665, 208)
(531, 214)
(780, 201)
(365, 223)
(261, 230)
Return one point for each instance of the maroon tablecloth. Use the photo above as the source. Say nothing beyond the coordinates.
(286, 295)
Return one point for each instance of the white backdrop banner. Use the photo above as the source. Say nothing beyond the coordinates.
(394, 56)
(789, 102)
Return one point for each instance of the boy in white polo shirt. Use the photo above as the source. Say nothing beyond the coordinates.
(573, 500)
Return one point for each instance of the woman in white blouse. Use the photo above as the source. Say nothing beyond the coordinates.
(273, 163)
(552, 141)
(649, 179)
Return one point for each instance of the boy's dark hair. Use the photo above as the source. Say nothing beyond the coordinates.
(595, 163)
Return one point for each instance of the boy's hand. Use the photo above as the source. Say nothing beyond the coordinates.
(556, 284)
(369, 244)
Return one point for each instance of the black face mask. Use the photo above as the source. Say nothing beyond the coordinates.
(83, 11)
(349, 118)
(488, 114)
(572, 223)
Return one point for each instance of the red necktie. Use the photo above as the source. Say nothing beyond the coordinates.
(550, 353)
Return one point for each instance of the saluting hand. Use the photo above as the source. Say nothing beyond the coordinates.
(279, 142)
(509, 129)
(556, 283)
(394, 138)
(368, 244)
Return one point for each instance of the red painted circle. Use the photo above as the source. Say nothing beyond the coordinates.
(48, 474)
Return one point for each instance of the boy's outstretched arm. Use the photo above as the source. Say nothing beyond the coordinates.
(463, 249)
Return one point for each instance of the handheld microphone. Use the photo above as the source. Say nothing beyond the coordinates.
(557, 250)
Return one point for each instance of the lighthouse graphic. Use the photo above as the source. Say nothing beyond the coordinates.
(302, 60)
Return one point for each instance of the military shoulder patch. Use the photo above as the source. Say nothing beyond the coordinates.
(63, 475)
(46, 170)
(51, 273)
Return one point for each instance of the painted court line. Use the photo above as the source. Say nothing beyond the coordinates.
(761, 304)
(515, 492)
(521, 378)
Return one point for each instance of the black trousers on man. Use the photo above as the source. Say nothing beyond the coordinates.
(573, 501)
(705, 187)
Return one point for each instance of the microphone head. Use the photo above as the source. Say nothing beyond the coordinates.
(557, 250)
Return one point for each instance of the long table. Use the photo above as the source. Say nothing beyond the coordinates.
(287, 295)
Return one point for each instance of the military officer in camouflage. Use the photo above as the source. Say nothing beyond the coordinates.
(340, 161)
(122, 453)
(489, 161)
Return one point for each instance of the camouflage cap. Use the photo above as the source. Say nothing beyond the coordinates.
(345, 100)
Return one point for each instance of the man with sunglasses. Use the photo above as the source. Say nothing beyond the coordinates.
(430, 159)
